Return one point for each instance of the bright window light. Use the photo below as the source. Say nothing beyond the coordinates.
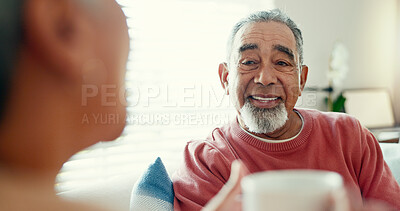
(175, 93)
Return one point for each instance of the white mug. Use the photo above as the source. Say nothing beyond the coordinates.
(294, 190)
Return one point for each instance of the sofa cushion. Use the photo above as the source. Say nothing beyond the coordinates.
(154, 190)
(391, 154)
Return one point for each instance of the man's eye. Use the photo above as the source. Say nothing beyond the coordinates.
(282, 63)
(248, 65)
(248, 62)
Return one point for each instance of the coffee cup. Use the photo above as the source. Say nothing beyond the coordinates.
(294, 190)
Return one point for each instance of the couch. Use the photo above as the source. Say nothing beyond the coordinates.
(115, 192)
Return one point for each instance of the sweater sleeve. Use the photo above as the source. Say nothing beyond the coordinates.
(376, 179)
(204, 172)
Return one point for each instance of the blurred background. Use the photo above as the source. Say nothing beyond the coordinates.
(173, 88)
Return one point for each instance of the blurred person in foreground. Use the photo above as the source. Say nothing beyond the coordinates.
(264, 75)
(50, 50)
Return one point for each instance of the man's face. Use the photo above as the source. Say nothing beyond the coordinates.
(264, 68)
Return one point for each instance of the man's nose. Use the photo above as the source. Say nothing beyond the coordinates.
(266, 75)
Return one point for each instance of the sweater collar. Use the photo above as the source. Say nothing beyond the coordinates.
(240, 135)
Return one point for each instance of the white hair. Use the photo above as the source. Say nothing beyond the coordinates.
(275, 15)
(263, 120)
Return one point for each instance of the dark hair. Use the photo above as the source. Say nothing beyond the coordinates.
(10, 38)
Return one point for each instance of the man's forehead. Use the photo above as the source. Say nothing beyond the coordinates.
(265, 33)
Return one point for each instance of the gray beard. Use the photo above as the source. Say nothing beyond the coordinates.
(263, 120)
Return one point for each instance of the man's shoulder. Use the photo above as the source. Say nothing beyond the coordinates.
(337, 126)
(322, 116)
(330, 121)
(217, 139)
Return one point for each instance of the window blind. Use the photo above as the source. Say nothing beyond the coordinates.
(173, 85)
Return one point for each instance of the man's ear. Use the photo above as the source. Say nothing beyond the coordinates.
(303, 77)
(223, 76)
(58, 35)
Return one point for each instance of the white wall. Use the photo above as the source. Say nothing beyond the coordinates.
(367, 27)
(396, 79)
(396, 101)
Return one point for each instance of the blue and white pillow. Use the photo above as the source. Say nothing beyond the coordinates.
(154, 190)
(391, 154)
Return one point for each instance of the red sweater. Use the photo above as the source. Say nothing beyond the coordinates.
(328, 141)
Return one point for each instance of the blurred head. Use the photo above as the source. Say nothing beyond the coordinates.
(264, 75)
(74, 50)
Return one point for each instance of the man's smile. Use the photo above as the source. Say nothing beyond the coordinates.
(265, 101)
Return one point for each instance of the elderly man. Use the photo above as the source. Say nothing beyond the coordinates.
(50, 50)
(264, 76)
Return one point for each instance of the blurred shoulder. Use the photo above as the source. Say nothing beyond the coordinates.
(17, 197)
